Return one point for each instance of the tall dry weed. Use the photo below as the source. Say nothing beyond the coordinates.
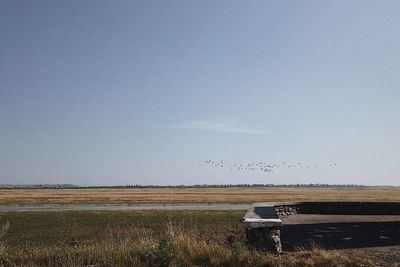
(3, 231)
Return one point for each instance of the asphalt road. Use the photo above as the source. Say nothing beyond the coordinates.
(88, 207)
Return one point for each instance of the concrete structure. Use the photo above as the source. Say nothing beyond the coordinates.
(328, 224)
(262, 225)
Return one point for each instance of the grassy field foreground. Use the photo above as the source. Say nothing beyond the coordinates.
(193, 195)
(144, 238)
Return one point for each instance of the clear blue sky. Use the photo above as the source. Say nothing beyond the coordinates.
(141, 92)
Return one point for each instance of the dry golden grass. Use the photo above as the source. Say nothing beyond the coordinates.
(185, 250)
(192, 195)
(174, 247)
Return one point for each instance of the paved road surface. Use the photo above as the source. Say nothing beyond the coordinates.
(83, 207)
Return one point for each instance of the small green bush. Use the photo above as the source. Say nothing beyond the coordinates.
(161, 255)
(165, 253)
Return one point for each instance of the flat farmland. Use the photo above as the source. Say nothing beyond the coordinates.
(192, 195)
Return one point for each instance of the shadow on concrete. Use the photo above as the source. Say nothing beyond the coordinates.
(340, 235)
(266, 212)
(349, 208)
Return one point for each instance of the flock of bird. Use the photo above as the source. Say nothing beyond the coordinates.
(259, 166)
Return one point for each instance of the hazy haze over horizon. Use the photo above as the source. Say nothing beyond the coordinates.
(144, 92)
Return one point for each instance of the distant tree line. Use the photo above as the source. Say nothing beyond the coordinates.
(138, 186)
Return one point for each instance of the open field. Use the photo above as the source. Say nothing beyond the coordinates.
(191, 195)
(179, 238)
(149, 238)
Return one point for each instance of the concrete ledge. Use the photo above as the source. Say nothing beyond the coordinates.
(254, 223)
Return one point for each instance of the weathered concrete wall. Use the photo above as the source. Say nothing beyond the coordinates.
(265, 238)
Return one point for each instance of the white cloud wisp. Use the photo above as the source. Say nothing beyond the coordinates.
(219, 127)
